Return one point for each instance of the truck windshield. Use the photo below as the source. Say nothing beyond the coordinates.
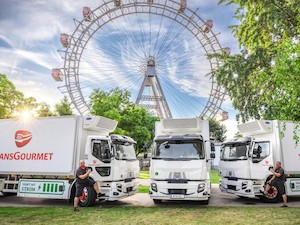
(125, 151)
(235, 152)
(179, 150)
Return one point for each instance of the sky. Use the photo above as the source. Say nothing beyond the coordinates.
(116, 54)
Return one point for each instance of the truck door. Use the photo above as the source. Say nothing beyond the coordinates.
(101, 159)
(261, 159)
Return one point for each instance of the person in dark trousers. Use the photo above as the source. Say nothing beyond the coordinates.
(278, 181)
(82, 175)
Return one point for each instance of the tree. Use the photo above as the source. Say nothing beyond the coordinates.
(133, 120)
(63, 108)
(217, 130)
(238, 135)
(43, 110)
(13, 101)
(262, 79)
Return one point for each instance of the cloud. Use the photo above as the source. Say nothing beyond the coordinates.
(32, 30)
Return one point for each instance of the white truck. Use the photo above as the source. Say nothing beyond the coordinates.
(245, 161)
(39, 158)
(180, 163)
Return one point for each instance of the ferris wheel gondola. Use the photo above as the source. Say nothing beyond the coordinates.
(153, 48)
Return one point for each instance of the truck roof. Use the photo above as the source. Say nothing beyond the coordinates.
(237, 140)
(122, 138)
(177, 137)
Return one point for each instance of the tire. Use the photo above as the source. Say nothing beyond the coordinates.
(88, 197)
(273, 196)
(157, 201)
(204, 202)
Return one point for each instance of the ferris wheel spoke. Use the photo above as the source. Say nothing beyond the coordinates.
(136, 39)
(182, 102)
(138, 42)
(177, 48)
(141, 27)
(166, 36)
(127, 37)
(176, 40)
(158, 34)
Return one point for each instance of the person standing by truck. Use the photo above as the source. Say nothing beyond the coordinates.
(278, 181)
(82, 175)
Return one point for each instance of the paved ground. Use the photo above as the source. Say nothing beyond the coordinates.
(217, 199)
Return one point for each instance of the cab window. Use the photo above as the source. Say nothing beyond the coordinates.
(101, 150)
(261, 150)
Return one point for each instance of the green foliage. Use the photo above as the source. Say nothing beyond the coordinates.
(43, 110)
(143, 189)
(63, 108)
(13, 101)
(214, 177)
(191, 213)
(217, 130)
(134, 121)
(263, 80)
(238, 135)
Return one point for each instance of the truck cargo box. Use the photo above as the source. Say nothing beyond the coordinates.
(44, 146)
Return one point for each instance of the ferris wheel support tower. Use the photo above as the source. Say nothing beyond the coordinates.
(150, 95)
(155, 99)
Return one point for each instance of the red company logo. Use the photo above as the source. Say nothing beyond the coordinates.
(22, 138)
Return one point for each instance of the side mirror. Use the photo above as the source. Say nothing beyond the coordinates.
(212, 147)
(145, 155)
(212, 155)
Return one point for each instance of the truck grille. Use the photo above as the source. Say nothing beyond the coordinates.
(177, 191)
(175, 181)
(231, 187)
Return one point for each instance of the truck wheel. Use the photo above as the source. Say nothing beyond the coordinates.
(88, 197)
(205, 202)
(157, 201)
(272, 196)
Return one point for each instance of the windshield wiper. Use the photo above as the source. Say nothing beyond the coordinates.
(180, 159)
(235, 159)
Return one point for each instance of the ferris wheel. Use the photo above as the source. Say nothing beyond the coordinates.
(156, 49)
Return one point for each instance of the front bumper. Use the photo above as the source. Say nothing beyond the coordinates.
(242, 187)
(180, 191)
(116, 190)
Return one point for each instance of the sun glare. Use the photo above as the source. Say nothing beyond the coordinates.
(26, 115)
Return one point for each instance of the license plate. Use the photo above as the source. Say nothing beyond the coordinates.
(177, 196)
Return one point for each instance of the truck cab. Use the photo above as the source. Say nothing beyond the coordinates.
(244, 165)
(180, 165)
(114, 165)
(245, 162)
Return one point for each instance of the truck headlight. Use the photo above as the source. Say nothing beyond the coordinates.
(103, 171)
(154, 187)
(201, 187)
(244, 185)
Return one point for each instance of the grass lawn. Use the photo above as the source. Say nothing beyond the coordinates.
(214, 177)
(149, 215)
(144, 175)
(143, 189)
